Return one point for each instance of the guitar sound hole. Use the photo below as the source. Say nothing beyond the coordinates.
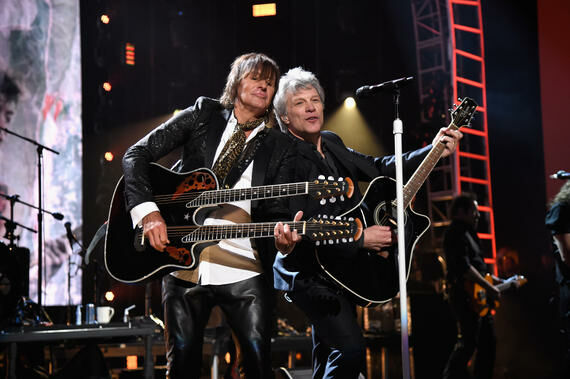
(383, 217)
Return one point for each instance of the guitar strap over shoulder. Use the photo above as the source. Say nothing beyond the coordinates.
(244, 160)
(472, 242)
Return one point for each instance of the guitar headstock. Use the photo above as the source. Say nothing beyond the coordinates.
(517, 280)
(462, 114)
(332, 230)
(328, 188)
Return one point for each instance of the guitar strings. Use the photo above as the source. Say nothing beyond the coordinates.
(235, 194)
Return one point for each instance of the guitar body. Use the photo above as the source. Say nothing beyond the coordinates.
(130, 261)
(373, 279)
(479, 301)
(184, 201)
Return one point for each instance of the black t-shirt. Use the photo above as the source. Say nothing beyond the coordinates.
(462, 248)
(558, 222)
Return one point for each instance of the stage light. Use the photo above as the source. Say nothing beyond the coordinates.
(109, 296)
(107, 86)
(105, 19)
(262, 10)
(129, 54)
(349, 103)
(132, 362)
(109, 156)
(298, 356)
(228, 358)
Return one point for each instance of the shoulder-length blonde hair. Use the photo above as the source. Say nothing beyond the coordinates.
(563, 196)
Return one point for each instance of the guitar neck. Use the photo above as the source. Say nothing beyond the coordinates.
(506, 285)
(424, 169)
(253, 193)
(219, 232)
(313, 229)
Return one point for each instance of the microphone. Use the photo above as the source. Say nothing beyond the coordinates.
(561, 174)
(70, 236)
(57, 216)
(386, 86)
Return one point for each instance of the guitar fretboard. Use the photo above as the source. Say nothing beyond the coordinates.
(422, 172)
(254, 193)
(220, 232)
(315, 230)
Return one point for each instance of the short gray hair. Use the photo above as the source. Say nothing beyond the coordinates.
(295, 79)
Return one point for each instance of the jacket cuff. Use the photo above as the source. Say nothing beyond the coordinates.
(141, 210)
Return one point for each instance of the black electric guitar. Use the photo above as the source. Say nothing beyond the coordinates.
(184, 201)
(364, 282)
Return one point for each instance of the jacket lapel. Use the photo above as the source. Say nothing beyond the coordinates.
(216, 127)
(263, 155)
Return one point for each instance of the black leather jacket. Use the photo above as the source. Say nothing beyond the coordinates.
(197, 130)
(301, 264)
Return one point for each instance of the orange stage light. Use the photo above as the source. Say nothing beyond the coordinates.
(129, 54)
(132, 362)
(109, 296)
(107, 86)
(262, 10)
(109, 156)
(105, 19)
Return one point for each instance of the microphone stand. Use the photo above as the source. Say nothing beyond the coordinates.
(71, 240)
(39, 151)
(10, 225)
(398, 130)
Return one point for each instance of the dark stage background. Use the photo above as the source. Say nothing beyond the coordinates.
(184, 49)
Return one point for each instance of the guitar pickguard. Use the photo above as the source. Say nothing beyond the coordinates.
(196, 181)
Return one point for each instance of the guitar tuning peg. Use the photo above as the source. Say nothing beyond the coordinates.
(321, 177)
(332, 199)
(337, 218)
(350, 219)
(350, 239)
(324, 242)
(340, 179)
(341, 198)
(331, 242)
(323, 202)
(343, 240)
(318, 243)
(330, 178)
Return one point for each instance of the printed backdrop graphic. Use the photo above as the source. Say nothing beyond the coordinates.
(40, 51)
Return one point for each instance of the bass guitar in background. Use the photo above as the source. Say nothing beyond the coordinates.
(480, 302)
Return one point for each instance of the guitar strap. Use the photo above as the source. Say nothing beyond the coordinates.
(472, 242)
(244, 160)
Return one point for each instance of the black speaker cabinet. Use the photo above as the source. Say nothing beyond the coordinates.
(14, 279)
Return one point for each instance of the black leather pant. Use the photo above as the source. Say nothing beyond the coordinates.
(247, 307)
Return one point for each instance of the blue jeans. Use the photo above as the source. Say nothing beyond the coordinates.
(338, 343)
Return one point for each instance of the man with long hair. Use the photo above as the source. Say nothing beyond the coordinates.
(233, 136)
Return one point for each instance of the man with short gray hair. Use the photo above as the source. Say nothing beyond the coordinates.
(338, 343)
